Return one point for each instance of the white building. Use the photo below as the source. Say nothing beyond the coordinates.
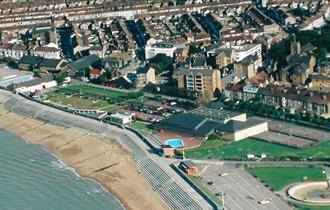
(50, 51)
(36, 84)
(121, 117)
(244, 51)
(14, 51)
(162, 48)
(10, 76)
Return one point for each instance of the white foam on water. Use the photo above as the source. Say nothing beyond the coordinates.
(32, 160)
(60, 165)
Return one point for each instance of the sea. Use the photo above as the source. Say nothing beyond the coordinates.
(33, 178)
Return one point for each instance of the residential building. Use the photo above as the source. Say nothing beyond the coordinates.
(293, 98)
(97, 50)
(85, 62)
(166, 48)
(246, 50)
(249, 65)
(315, 102)
(201, 81)
(144, 76)
(29, 63)
(50, 52)
(320, 80)
(14, 51)
(301, 65)
(224, 57)
(52, 65)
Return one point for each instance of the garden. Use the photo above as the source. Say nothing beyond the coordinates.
(80, 96)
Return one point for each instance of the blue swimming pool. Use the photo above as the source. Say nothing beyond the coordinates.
(175, 143)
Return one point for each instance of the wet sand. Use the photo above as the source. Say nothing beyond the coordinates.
(103, 160)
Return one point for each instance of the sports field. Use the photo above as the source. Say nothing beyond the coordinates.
(214, 148)
(279, 177)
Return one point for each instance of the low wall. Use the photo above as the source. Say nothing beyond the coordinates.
(306, 187)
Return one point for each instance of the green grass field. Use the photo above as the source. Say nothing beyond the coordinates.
(142, 127)
(84, 96)
(279, 177)
(214, 148)
(93, 91)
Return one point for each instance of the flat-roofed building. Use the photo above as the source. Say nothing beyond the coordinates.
(10, 76)
(31, 86)
(166, 48)
(201, 81)
(121, 117)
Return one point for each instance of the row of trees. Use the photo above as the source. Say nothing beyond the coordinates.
(277, 112)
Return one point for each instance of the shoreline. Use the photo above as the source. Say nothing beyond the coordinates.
(103, 161)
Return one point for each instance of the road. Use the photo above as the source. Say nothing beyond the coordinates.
(183, 191)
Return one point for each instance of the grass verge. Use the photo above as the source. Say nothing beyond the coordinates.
(279, 177)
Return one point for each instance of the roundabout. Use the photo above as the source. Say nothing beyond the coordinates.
(314, 192)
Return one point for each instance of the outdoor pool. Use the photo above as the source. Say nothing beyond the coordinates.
(175, 143)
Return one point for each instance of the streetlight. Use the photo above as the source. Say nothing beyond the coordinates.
(222, 194)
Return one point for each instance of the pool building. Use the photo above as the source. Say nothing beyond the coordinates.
(203, 122)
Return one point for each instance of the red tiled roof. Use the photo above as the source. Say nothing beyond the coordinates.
(96, 72)
(47, 49)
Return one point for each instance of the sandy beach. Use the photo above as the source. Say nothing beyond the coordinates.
(103, 160)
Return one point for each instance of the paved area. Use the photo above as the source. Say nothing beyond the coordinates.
(242, 191)
(284, 139)
(297, 130)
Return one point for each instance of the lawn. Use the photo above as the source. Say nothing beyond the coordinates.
(84, 96)
(279, 177)
(90, 90)
(214, 148)
(299, 206)
(142, 127)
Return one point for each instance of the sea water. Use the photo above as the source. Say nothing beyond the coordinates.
(32, 178)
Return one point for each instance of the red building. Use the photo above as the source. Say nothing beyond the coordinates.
(189, 167)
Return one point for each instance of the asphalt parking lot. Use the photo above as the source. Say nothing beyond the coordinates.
(242, 191)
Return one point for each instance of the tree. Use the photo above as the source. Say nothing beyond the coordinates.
(218, 94)
(180, 2)
(161, 62)
(279, 51)
(297, 116)
(321, 54)
(194, 49)
(12, 64)
(83, 72)
(60, 78)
